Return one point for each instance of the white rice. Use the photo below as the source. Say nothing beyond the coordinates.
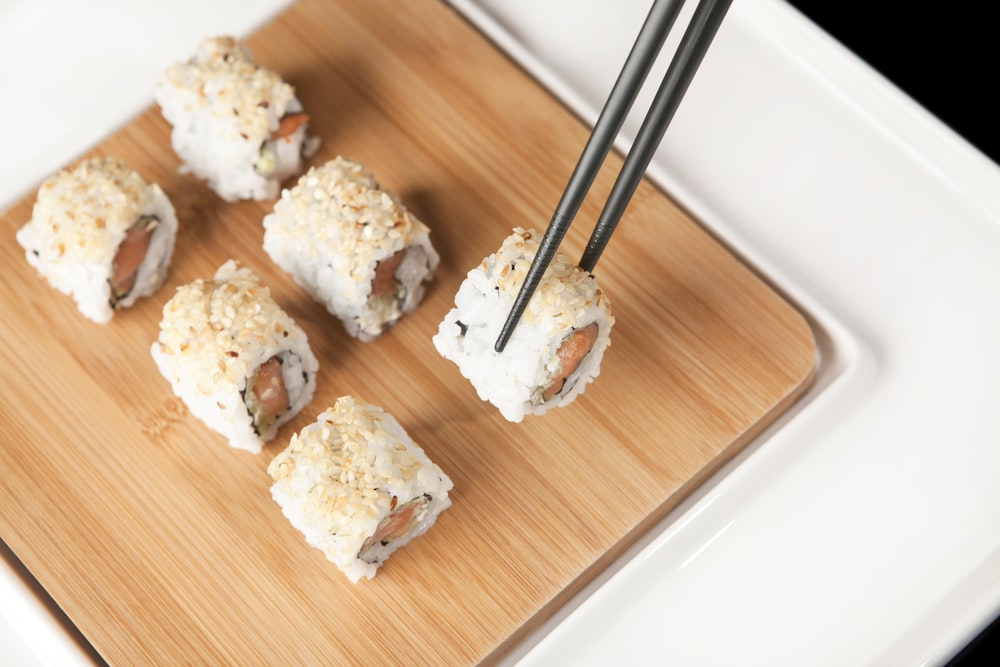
(214, 335)
(80, 218)
(343, 476)
(330, 232)
(224, 108)
(567, 300)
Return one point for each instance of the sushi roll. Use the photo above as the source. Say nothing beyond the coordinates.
(357, 487)
(353, 246)
(235, 124)
(101, 234)
(236, 359)
(556, 348)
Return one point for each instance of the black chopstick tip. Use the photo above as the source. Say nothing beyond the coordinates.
(506, 332)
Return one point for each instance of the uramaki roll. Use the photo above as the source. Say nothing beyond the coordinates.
(101, 234)
(236, 359)
(354, 247)
(236, 124)
(357, 487)
(556, 348)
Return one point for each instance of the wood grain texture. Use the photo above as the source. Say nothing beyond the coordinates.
(163, 545)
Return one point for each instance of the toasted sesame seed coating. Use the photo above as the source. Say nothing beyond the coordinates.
(219, 320)
(564, 293)
(535, 372)
(81, 217)
(223, 78)
(235, 123)
(214, 335)
(82, 211)
(342, 475)
(338, 207)
(331, 230)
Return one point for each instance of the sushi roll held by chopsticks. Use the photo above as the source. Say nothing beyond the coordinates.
(235, 124)
(357, 487)
(354, 247)
(555, 350)
(236, 359)
(101, 234)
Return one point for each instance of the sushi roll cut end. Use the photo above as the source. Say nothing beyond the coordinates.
(353, 246)
(556, 348)
(101, 234)
(236, 124)
(357, 487)
(236, 359)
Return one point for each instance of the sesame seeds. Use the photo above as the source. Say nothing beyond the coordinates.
(233, 86)
(339, 206)
(346, 481)
(564, 292)
(354, 451)
(566, 299)
(215, 323)
(81, 211)
(215, 338)
(352, 245)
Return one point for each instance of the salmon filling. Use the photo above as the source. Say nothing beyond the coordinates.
(572, 351)
(288, 124)
(397, 524)
(384, 283)
(267, 395)
(131, 252)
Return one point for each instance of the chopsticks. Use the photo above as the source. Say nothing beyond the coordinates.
(687, 58)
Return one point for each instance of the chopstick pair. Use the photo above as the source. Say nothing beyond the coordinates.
(687, 58)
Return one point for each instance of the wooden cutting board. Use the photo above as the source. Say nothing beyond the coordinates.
(163, 545)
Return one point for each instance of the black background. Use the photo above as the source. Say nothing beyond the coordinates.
(945, 56)
(948, 61)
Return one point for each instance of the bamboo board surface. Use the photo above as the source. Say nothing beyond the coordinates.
(162, 545)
